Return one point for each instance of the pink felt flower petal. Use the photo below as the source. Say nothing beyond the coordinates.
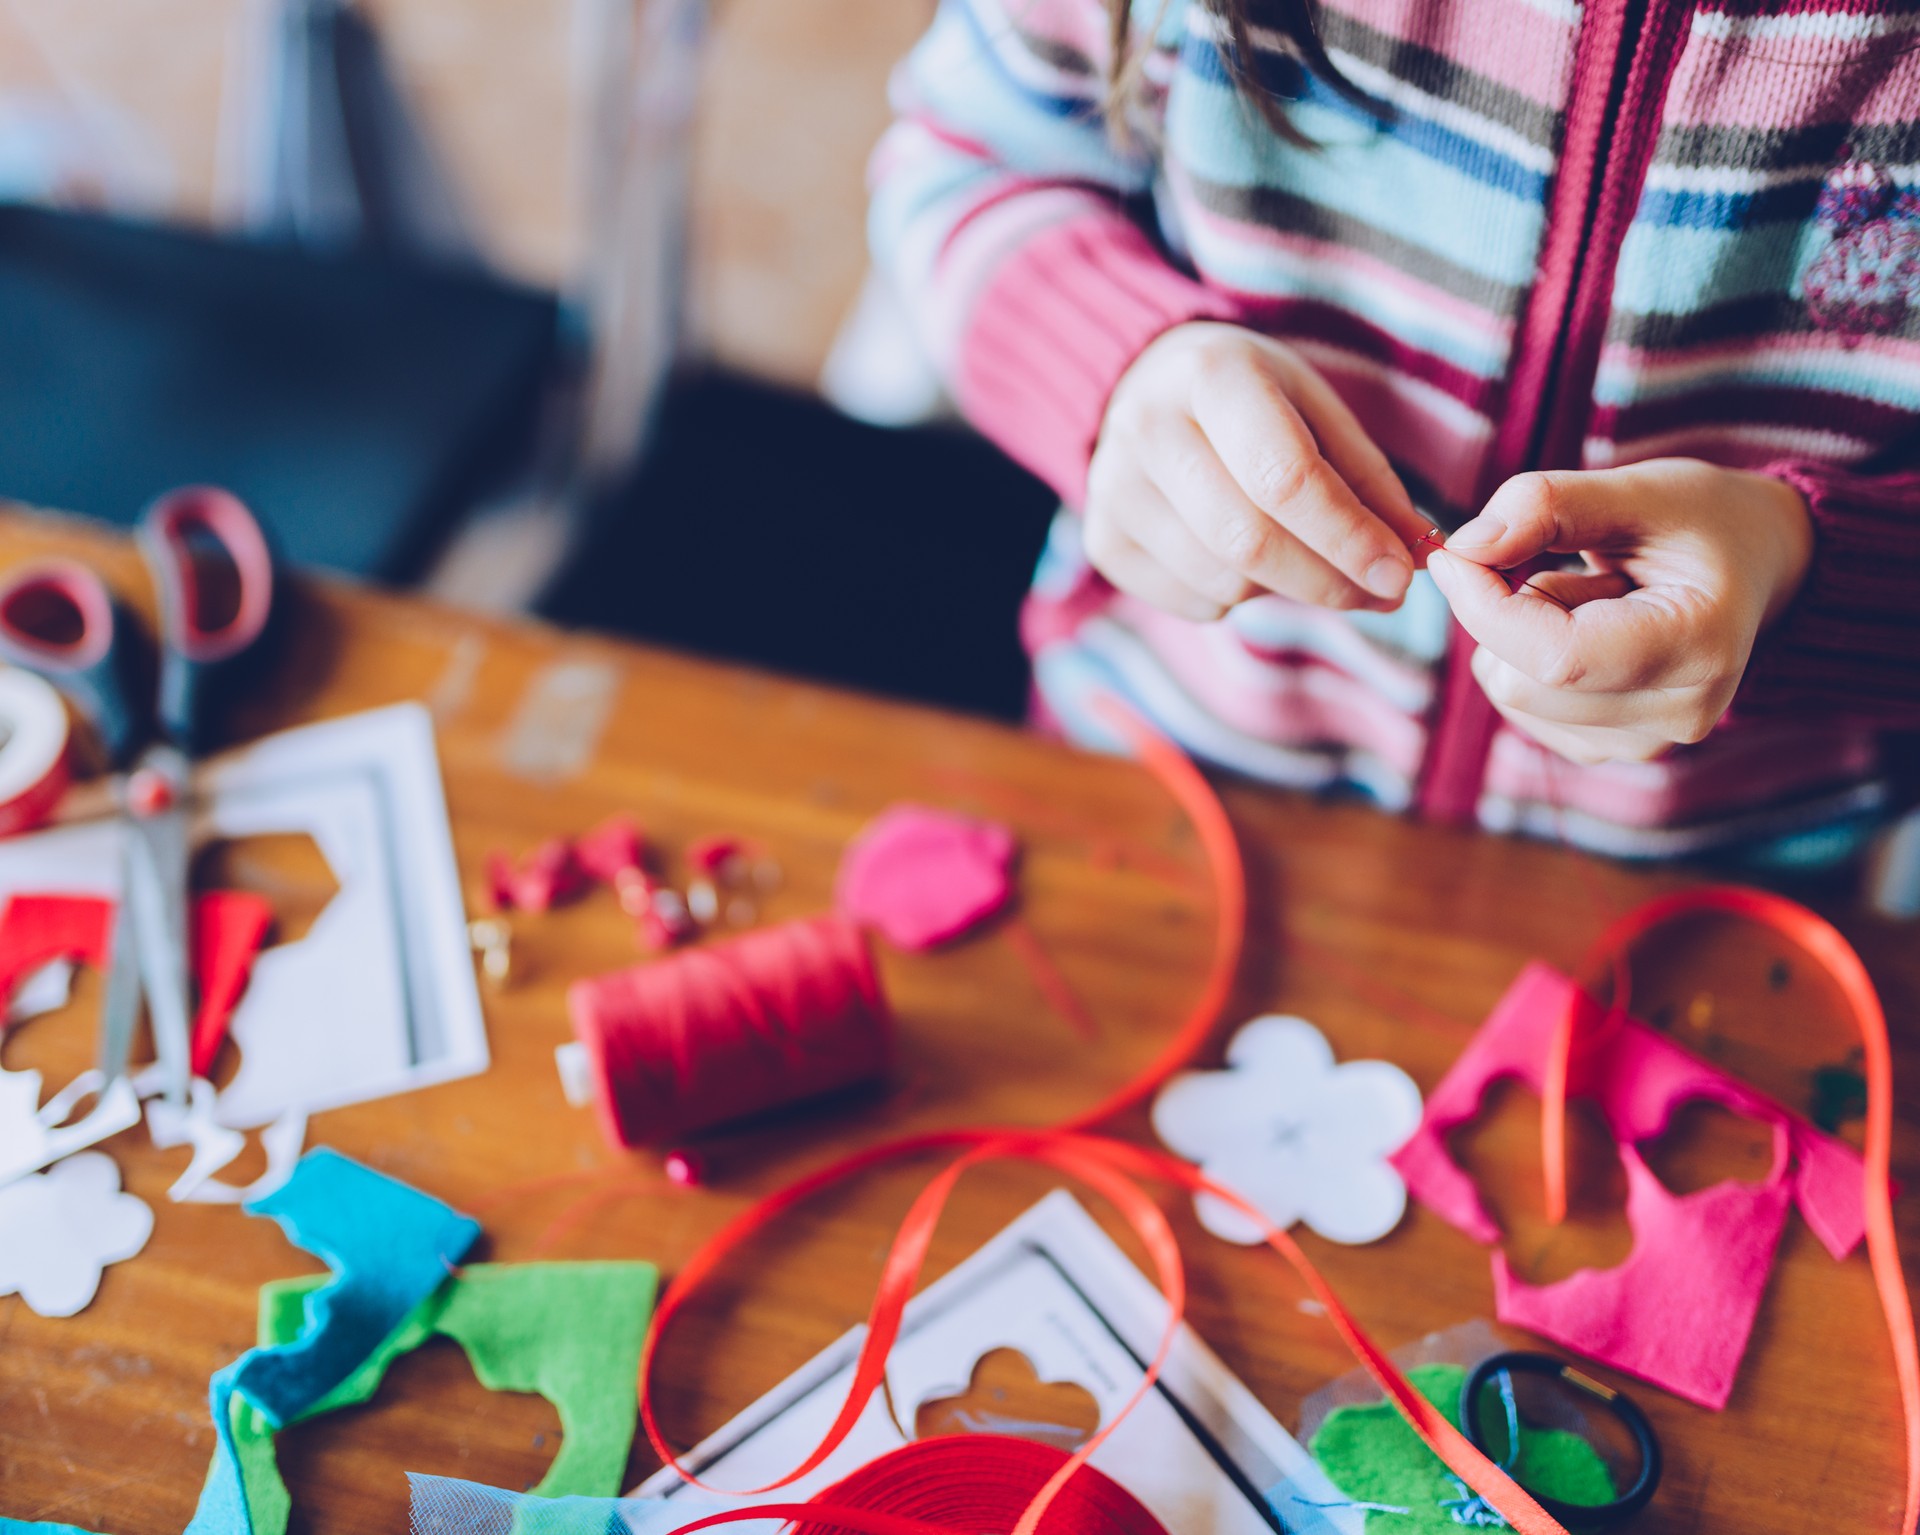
(922, 877)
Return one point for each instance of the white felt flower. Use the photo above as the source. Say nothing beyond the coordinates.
(1296, 1136)
(59, 1228)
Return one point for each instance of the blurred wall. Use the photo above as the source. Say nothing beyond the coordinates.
(795, 100)
(792, 101)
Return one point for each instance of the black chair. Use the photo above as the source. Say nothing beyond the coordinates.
(357, 403)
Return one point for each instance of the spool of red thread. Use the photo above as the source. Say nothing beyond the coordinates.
(980, 1484)
(768, 1019)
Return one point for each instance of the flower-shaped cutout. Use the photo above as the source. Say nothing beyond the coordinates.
(60, 1228)
(1297, 1136)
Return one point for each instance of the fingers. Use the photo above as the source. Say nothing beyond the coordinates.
(1572, 588)
(1346, 445)
(1177, 551)
(1134, 521)
(1239, 534)
(1118, 557)
(1267, 447)
(1512, 690)
(1564, 512)
(1608, 646)
(1587, 747)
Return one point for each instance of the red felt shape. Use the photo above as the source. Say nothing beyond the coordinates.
(229, 927)
(36, 930)
(923, 877)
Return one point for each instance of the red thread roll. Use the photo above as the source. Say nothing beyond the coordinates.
(980, 1484)
(767, 1019)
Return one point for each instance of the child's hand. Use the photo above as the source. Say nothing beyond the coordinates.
(1687, 563)
(1226, 464)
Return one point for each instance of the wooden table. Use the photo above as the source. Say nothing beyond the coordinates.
(103, 1418)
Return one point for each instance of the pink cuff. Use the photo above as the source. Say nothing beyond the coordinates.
(1850, 643)
(1054, 329)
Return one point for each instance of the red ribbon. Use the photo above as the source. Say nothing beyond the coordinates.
(1113, 1168)
(1117, 1169)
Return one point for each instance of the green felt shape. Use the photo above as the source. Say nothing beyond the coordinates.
(570, 1331)
(1373, 1456)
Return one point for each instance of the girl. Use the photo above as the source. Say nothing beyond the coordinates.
(1270, 292)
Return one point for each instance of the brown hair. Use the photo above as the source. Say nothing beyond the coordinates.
(1291, 19)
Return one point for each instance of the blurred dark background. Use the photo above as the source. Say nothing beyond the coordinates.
(543, 305)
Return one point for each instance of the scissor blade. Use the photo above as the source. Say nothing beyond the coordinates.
(157, 891)
(121, 1009)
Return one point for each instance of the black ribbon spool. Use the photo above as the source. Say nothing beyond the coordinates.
(1578, 1517)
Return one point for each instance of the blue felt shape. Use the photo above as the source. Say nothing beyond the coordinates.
(390, 1247)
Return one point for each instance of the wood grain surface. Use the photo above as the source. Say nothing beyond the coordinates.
(1394, 938)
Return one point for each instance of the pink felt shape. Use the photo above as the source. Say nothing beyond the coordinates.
(922, 876)
(1679, 1311)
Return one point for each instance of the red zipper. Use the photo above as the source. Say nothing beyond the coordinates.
(1623, 63)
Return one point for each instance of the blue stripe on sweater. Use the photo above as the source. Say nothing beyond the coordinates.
(1379, 181)
(963, 81)
(1671, 269)
(1285, 79)
(1792, 202)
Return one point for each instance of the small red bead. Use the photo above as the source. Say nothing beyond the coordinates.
(686, 1168)
(711, 854)
(149, 793)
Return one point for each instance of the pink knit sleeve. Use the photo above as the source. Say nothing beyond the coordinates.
(1055, 326)
(1850, 643)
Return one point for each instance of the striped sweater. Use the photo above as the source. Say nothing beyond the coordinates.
(1581, 235)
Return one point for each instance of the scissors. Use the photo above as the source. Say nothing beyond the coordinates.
(211, 566)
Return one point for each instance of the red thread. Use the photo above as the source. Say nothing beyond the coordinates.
(228, 929)
(1054, 986)
(768, 1019)
(1540, 591)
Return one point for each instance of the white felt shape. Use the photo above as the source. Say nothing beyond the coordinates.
(46, 990)
(59, 1228)
(214, 1145)
(33, 1134)
(282, 1141)
(1295, 1135)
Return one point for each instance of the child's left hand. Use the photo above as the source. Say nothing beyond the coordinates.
(1687, 563)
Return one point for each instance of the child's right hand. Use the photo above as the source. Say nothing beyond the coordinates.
(1226, 466)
